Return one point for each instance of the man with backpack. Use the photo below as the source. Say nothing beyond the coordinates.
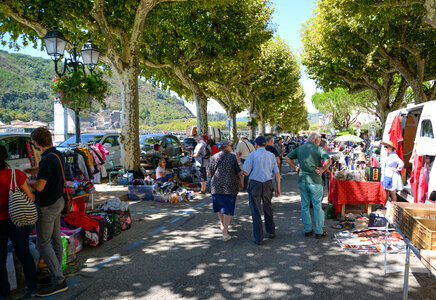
(202, 153)
(244, 147)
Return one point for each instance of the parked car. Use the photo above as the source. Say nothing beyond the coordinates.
(110, 140)
(189, 144)
(155, 146)
(15, 143)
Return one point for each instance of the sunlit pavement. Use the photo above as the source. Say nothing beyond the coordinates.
(175, 251)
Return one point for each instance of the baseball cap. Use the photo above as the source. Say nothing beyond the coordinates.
(261, 141)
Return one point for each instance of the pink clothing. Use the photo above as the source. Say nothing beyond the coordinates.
(103, 150)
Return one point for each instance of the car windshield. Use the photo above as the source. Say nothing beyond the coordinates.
(83, 139)
(150, 140)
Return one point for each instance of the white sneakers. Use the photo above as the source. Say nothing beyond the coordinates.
(226, 237)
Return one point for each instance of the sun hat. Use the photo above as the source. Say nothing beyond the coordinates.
(261, 141)
(389, 144)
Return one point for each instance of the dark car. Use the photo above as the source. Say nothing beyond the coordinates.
(189, 144)
(155, 146)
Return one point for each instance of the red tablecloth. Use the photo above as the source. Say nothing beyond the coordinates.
(355, 192)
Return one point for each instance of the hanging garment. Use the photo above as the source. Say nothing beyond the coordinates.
(415, 175)
(72, 169)
(423, 186)
(396, 137)
(83, 164)
(103, 150)
(88, 156)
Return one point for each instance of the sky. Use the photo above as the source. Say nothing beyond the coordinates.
(289, 15)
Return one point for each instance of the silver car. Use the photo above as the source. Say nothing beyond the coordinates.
(110, 140)
(17, 146)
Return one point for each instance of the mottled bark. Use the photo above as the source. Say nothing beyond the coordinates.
(199, 98)
(430, 17)
(201, 103)
(129, 118)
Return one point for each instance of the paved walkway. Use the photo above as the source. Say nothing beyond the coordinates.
(175, 251)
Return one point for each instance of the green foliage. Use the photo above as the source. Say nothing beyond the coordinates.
(79, 91)
(26, 93)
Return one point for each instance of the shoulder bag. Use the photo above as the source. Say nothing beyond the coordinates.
(67, 197)
(22, 210)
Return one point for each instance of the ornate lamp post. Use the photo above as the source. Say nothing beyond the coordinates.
(55, 43)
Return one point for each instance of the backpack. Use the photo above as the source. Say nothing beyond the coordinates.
(208, 152)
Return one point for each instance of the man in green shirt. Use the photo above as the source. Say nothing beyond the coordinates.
(313, 161)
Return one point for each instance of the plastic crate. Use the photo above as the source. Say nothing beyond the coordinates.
(424, 234)
(125, 178)
(140, 192)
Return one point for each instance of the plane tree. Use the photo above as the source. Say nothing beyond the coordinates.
(191, 40)
(117, 27)
(336, 56)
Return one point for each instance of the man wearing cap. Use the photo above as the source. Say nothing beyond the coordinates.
(245, 148)
(261, 166)
(310, 157)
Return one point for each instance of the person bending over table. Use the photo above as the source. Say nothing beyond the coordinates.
(162, 174)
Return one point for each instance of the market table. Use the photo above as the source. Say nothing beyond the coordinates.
(343, 192)
(427, 257)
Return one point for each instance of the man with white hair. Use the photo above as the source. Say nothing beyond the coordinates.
(310, 157)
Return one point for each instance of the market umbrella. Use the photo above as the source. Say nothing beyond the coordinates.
(348, 138)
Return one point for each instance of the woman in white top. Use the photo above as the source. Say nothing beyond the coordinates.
(162, 175)
(391, 165)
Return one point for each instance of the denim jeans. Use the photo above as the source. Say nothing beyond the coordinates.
(245, 178)
(19, 237)
(311, 193)
(261, 193)
(48, 230)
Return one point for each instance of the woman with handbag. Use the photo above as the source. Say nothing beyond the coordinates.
(391, 165)
(226, 179)
(19, 236)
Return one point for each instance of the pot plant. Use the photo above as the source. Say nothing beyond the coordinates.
(80, 91)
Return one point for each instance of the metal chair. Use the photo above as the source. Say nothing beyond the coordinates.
(113, 171)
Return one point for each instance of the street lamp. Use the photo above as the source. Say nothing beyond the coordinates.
(55, 43)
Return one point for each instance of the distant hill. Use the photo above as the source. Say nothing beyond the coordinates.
(26, 94)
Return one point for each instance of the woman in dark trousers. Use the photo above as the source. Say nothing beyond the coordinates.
(19, 236)
(226, 179)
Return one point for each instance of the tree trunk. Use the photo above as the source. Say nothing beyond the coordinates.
(199, 98)
(77, 127)
(201, 103)
(418, 92)
(129, 118)
(234, 130)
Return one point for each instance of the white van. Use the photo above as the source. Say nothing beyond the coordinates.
(213, 132)
(417, 124)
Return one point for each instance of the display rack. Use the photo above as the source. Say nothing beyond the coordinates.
(86, 195)
(426, 257)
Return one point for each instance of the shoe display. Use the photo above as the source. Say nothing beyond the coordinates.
(52, 290)
(321, 236)
(271, 235)
(308, 233)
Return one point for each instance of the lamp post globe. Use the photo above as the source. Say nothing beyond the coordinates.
(55, 43)
(90, 54)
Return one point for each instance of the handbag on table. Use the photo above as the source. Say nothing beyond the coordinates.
(22, 210)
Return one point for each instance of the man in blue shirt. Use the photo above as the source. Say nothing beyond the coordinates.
(261, 166)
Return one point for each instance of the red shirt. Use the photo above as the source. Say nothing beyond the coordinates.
(215, 149)
(5, 183)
